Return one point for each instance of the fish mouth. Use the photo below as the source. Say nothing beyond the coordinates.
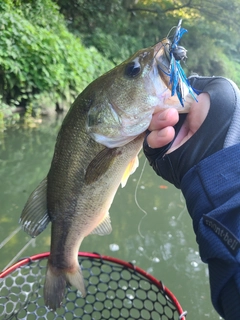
(162, 60)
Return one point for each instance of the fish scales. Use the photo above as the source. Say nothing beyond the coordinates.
(96, 151)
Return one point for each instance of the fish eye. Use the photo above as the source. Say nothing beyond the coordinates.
(133, 69)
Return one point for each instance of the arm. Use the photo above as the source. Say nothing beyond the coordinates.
(203, 160)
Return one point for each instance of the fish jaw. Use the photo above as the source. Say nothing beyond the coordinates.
(166, 99)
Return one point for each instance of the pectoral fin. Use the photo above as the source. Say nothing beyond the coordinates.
(104, 227)
(100, 164)
(132, 166)
(34, 217)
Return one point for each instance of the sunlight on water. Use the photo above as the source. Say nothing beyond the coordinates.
(167, 249)
(114, 247)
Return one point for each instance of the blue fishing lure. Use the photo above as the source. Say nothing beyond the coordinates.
(177, 74)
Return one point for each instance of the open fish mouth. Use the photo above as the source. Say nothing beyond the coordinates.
(162, 59)
(157, 72)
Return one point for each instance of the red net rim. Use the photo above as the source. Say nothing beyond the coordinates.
(90, 255)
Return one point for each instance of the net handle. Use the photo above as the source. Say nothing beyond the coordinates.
(126, 264)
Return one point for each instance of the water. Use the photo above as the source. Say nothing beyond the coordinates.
(163, 242)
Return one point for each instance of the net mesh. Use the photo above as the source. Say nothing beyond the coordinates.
(114, 291)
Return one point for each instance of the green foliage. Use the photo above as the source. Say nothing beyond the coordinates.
(53, 49)
(103, 24)
(41, 56)
(118, 28)
(232, 68)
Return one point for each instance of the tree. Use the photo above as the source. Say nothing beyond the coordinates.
(38, 55)
(118, 28)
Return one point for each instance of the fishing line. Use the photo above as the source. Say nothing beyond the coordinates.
(136, 200)
(20, 253)
(2, 244)
(174, 27)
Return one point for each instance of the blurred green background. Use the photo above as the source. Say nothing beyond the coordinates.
(50, 50)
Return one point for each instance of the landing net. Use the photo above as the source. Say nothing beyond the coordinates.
(115, 290)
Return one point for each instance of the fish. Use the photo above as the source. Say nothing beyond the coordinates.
(96, 151)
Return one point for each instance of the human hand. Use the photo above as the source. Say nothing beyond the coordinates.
(175, 143)
(162, 125)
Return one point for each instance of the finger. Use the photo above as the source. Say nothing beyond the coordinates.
(198, 112)
(159, 138)
(162, 119)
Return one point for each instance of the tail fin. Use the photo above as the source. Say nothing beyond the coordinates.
(55, 284)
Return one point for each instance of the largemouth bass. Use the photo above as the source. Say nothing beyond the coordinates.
(96, 150)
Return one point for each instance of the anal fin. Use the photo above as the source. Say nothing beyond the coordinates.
(104, 227)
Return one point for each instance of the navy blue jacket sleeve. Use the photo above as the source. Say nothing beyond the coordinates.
(212, 192)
